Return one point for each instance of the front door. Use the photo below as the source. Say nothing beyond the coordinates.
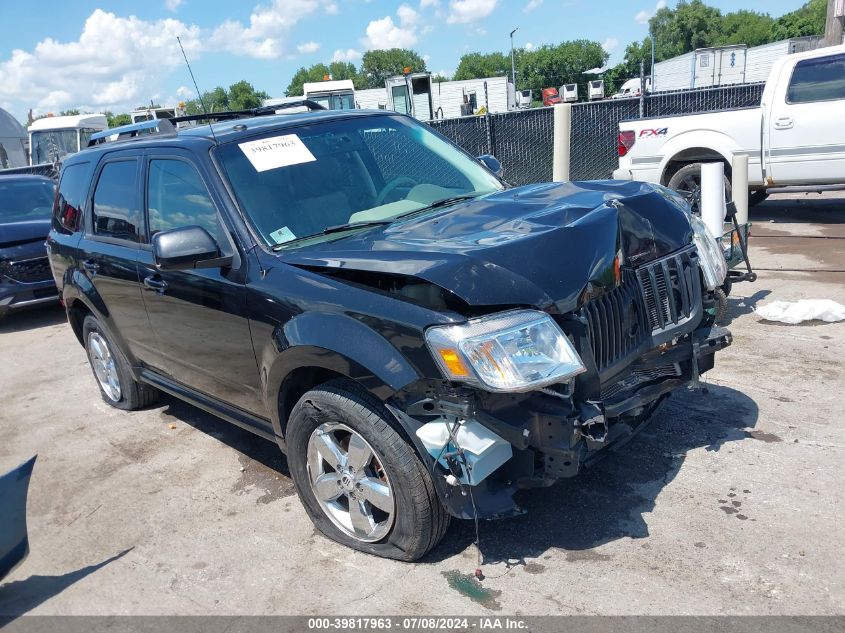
(807, 128)
(198, 316)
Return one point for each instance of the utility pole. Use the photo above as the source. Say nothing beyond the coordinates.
(513, 62)
(642, 85)
(833, 25)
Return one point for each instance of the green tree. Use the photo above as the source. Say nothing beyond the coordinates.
(808, 20)
(70, 112)
(629, 67)
(303, 76)
(552, 66)
(744, 27)
(243, 96)
(376, 66)
(115, 120)
(689, 26)
(480, 65)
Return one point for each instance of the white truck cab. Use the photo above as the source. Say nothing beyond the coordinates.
(51, 138)
(795, 138)
(332, 95)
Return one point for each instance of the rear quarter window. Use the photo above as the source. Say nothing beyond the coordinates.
(70, 198)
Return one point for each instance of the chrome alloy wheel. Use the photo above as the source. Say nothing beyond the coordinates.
(104, 366)
(350, 483)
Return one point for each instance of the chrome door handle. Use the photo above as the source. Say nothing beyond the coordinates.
(156, 283)
(783, 123)
(91, 266)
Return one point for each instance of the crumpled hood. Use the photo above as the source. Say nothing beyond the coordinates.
(538, 245)
(12, 233)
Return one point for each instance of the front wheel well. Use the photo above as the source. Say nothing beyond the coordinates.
(298, 383)
(690, 156)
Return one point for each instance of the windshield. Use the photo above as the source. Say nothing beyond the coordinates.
(52, 145)
(25, 200)
(360, 170)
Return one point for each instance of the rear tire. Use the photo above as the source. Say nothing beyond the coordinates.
(687, 182)
(756, 197)
(112, 372)
(338, 413)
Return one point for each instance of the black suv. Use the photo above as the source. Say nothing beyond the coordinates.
(421, 339)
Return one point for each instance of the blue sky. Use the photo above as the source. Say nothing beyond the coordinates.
(56, 55)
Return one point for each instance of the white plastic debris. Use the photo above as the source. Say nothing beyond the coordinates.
(793, 312)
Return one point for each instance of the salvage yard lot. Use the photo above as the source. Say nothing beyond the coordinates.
(731, 501)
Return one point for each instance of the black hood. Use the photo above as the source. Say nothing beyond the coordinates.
(14, 233)
(538, 245)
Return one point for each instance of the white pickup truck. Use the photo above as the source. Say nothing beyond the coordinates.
(795, 138)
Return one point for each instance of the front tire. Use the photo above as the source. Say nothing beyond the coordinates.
(112, 372)
(361, 482)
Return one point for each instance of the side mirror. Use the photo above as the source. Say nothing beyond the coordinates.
(492, 163)
(186, 248)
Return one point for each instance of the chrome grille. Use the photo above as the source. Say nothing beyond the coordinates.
(27, 270)
(668, 289)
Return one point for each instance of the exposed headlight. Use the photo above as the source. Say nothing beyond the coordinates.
(520, 350)
(713, 263)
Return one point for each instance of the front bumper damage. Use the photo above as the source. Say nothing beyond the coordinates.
(554, 433)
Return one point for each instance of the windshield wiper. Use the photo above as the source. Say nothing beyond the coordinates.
(445, 202)
(336, 228)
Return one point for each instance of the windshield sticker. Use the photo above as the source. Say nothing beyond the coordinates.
(282, 235)
(277, 151)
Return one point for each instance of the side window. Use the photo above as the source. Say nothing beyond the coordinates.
(817, 80)
(67, 209)
(115, 211)
(177, 197)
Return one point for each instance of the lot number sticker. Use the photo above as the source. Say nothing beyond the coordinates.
(277, 151)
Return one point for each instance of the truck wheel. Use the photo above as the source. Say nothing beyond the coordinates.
(361, 482)
(756, 197)
(111, 370)
(687, 182)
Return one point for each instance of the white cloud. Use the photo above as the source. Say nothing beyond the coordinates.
(424, 4)
(532, 4)
(264, 38)
(115, 62)
(172, 5)
(610, 44)
(348, 55)
(385, 33)
(528, 46)
(644, 16)
(183, 92)
(308, 47)
(466, 11)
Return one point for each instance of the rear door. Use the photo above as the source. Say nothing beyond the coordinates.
(108, 253)
(198, 316)
(807, 124)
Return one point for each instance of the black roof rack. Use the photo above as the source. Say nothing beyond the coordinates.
(132, 131)
(241, 114)
(167, 127)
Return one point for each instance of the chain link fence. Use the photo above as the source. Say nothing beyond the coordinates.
(522, 140)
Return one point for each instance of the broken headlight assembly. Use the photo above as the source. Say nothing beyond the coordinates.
(713, 263)
(516, 351)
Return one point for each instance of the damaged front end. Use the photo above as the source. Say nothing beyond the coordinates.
(575, 309)
(635, 344)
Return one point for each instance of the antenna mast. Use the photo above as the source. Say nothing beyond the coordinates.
(199, 94)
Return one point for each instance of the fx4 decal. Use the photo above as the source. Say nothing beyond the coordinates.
(657, 132)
